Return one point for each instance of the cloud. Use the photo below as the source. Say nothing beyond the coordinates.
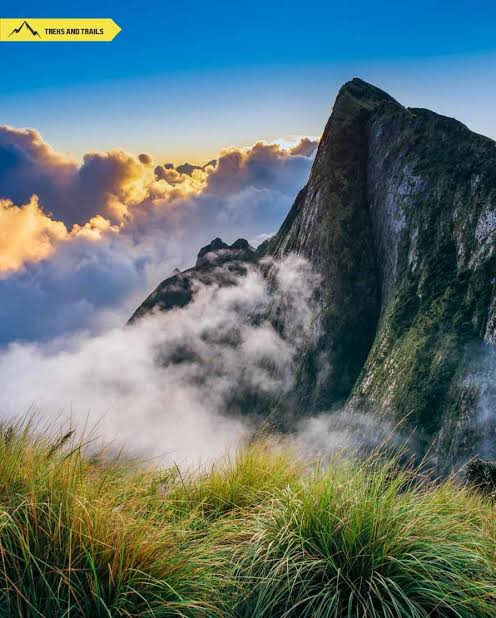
(146, 159)
(104, 184)
(27, 234)
(109, 183)
(100, 234)
(160, 172)
(305, 147)
(112, 183)
(351, 432)
(28, 166)
(168, 384)
(85, 285)
(263, 166)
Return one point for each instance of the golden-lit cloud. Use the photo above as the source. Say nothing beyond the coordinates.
(48, 199)
(305, 147)
(31, 144)
(94, 229)
(27, 234)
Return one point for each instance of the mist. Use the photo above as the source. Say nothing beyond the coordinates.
(164, 386)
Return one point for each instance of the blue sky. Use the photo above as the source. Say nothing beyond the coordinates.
(183, 79)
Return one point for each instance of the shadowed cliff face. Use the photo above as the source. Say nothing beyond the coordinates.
(399, 216)
(332, 226)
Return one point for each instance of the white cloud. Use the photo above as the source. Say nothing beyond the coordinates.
(166, 384)
(131, 232)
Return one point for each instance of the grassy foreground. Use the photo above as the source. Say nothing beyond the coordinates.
(258, 535)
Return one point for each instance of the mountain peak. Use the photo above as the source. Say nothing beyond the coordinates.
(215, 245)
(357, 95)
(217, 264)
(241, 245)
(217, 252)
(398, 217)
(361, 89)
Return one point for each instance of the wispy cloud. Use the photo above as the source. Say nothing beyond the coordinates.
(168, 384)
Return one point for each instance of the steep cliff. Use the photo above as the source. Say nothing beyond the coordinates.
(399, 216)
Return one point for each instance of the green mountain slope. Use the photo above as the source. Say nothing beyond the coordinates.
(399, 216)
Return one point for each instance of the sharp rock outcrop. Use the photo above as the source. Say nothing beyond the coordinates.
(217, 263)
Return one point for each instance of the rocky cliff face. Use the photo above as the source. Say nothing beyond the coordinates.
(217, 263)
(399, 218)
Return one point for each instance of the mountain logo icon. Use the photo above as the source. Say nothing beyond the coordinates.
(27, 26)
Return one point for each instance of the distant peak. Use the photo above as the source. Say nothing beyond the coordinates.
(241, 245)
(216, 245)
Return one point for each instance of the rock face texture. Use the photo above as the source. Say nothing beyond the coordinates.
(217, 262)
(399, 218)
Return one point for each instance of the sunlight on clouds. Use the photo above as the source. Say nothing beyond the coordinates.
(108, 190)
(83, 242)
(27, 234)
(94, 228)
(32, 145)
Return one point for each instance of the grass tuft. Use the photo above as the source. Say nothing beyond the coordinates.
(258, 534)
(366, 540)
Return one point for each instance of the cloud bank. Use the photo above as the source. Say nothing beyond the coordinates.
(82, 243)
(167, 385)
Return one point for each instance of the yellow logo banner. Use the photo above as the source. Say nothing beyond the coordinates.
(26, 29)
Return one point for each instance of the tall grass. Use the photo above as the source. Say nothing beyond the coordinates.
(236, 485)
(367, 540)
(258, 534)
(83, 536)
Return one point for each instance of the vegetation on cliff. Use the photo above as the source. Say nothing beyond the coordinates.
(399, 219)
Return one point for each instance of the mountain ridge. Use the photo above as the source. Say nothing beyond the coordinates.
(216, 263)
